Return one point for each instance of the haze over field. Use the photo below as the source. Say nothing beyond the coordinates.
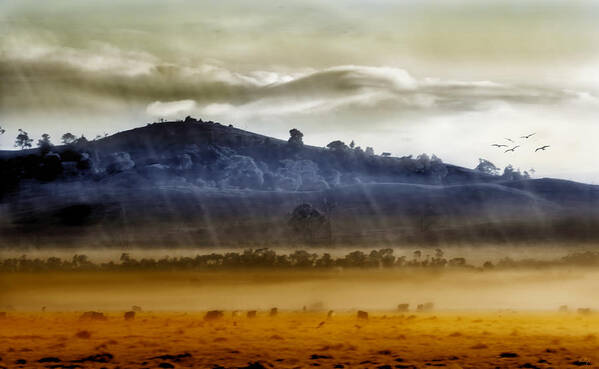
(293, 183)
(447, 77)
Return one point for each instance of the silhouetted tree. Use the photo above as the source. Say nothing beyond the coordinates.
(2, 130)
(487, 167)
(302, 259)
(309, 225)
(44, 143)
(417, 255)
(352, 144)
(369, 151)
(381, 258)
(68, 138)
(23, 141)
(511, 174)
(80, 140)
(325, 261)
(296, 138)
(338, 146)
(354, 259)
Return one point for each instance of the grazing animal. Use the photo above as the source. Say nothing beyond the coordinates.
(213, 315)
(362, 315)
(136, 308)
(330, 314)
(542, 148)
(584, 311)
(426, 307)
(92, 315)
(273, 312)
(130, 315)
(563, 309)
(251, 314)
(513, 149)
(528, 136)
(499, 145)
(320, 324)
(83, 334)
(403, 307)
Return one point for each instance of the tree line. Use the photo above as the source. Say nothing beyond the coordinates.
(300, 259)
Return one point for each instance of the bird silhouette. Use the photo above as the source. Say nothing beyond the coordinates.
(529, 136)
(542, 148)
(499, 145)
(509, 139)
(513, 149)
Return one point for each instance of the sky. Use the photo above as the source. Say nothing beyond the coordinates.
(443, 77)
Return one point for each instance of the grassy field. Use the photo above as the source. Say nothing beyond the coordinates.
(301, 340)
(481, 319)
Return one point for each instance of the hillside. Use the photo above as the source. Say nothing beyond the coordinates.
(203, 184)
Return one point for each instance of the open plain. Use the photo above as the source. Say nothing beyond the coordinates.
(300, 340)
(480, 319)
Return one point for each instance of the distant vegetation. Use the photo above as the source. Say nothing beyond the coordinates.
(300, 259)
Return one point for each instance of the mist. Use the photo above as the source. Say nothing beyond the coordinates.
(380, 290)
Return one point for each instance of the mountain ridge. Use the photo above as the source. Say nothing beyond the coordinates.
(203, 184)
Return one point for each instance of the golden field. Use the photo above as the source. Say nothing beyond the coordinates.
(478, 316)
(301, 339)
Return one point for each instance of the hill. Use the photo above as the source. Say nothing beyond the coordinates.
(203, 184)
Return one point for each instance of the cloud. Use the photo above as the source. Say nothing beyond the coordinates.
(375, 90)
(170, 109)
(41, 74)
(98, 57)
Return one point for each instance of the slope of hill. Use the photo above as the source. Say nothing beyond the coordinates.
(197, 183)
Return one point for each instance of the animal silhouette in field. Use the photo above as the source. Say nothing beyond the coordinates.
(403, 308)
(426, 307)
(93, 315)
(213, 315)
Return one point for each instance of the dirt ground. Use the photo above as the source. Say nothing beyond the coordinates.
(296, 339)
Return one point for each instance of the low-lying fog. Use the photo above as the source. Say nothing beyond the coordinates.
(371, 289)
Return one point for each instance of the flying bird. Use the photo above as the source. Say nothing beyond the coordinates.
(529, 136)
(542, 148)
(509, 139)
(499, 145)
(513, 149)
